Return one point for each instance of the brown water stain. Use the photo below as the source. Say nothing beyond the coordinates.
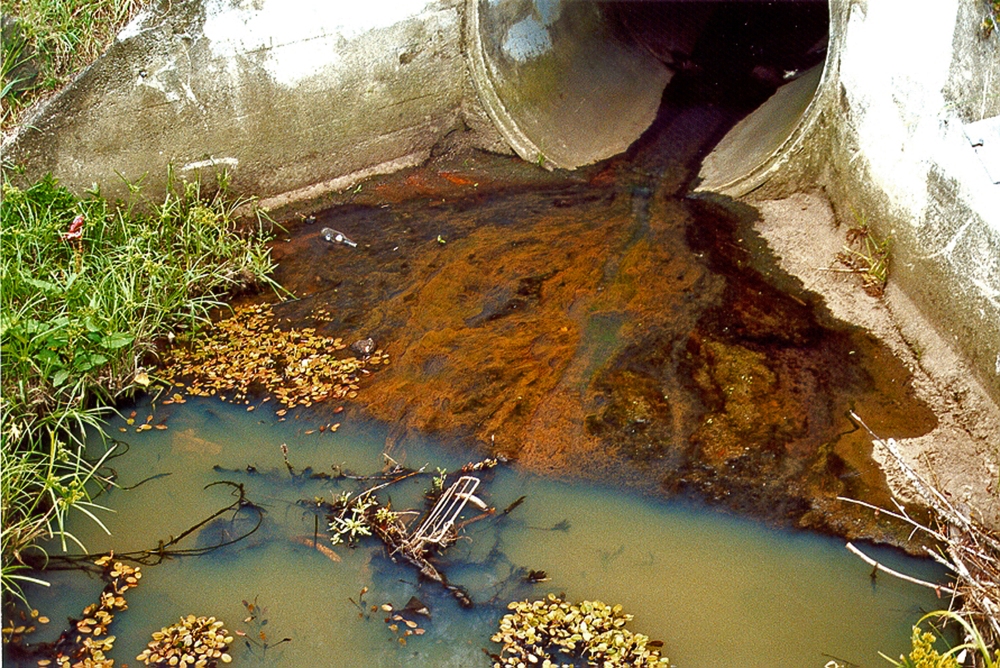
(590, 326)
(601, 324)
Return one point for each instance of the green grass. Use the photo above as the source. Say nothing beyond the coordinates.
(79, 322)
(60, 38)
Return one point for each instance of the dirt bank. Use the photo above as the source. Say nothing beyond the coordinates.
(961, 453)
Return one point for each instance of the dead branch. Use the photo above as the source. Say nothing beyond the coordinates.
(968, 549)
(902, 576)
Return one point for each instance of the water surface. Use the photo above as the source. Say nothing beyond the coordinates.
(716, 589)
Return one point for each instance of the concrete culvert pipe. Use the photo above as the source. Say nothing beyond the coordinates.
(571, 83)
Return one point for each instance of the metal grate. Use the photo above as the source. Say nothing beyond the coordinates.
(444, 514)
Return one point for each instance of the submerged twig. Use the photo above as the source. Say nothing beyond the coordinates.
(154, 556)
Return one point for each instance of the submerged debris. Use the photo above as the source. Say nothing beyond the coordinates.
(352, 518)
(335, 237)
(247, 353)
(364, 347)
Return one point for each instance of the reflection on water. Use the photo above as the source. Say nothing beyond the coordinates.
(717, 590)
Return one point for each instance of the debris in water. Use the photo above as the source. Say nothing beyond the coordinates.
(335, 237)
(352, 517)
(364, 347)
(416, 606)
(247, 353)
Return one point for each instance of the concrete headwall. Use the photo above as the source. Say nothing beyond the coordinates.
(296, 94)
(281, 94)
(884, 130)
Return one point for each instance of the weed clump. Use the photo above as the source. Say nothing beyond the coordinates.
(868, 257)
(87, 287)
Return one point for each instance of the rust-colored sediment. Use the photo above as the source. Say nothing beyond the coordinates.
(586, 329)
(590, 326)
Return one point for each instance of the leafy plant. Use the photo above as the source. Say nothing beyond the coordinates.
(87, 287)
(533, 633)
(355, 525)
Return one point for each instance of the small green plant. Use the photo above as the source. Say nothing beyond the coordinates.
(992, 18)
(353, 526)
(384, 515)
(924, 655)
(437, 482)
(867, 256)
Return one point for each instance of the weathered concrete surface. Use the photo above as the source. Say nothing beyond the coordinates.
(285, 95)
(884, 137)
(557, 83)
(280, 94)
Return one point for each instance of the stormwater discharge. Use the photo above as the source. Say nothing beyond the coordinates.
(711, 586)
(637, 357)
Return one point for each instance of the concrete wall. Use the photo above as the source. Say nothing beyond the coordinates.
(885, 134)
(299, 95)
(283, 94)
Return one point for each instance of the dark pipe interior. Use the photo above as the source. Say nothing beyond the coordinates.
(734, 54)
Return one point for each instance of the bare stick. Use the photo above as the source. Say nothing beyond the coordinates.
(897, 574)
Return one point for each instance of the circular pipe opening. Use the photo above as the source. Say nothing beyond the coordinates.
(571, 83)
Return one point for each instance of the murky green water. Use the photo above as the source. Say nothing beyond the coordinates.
(718, 591)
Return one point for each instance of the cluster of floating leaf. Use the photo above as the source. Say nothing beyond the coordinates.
(591, 630)
(405, 626)
(247, 353)
(201, 642)
(148, 424)
(87, 644)
(14, 632)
